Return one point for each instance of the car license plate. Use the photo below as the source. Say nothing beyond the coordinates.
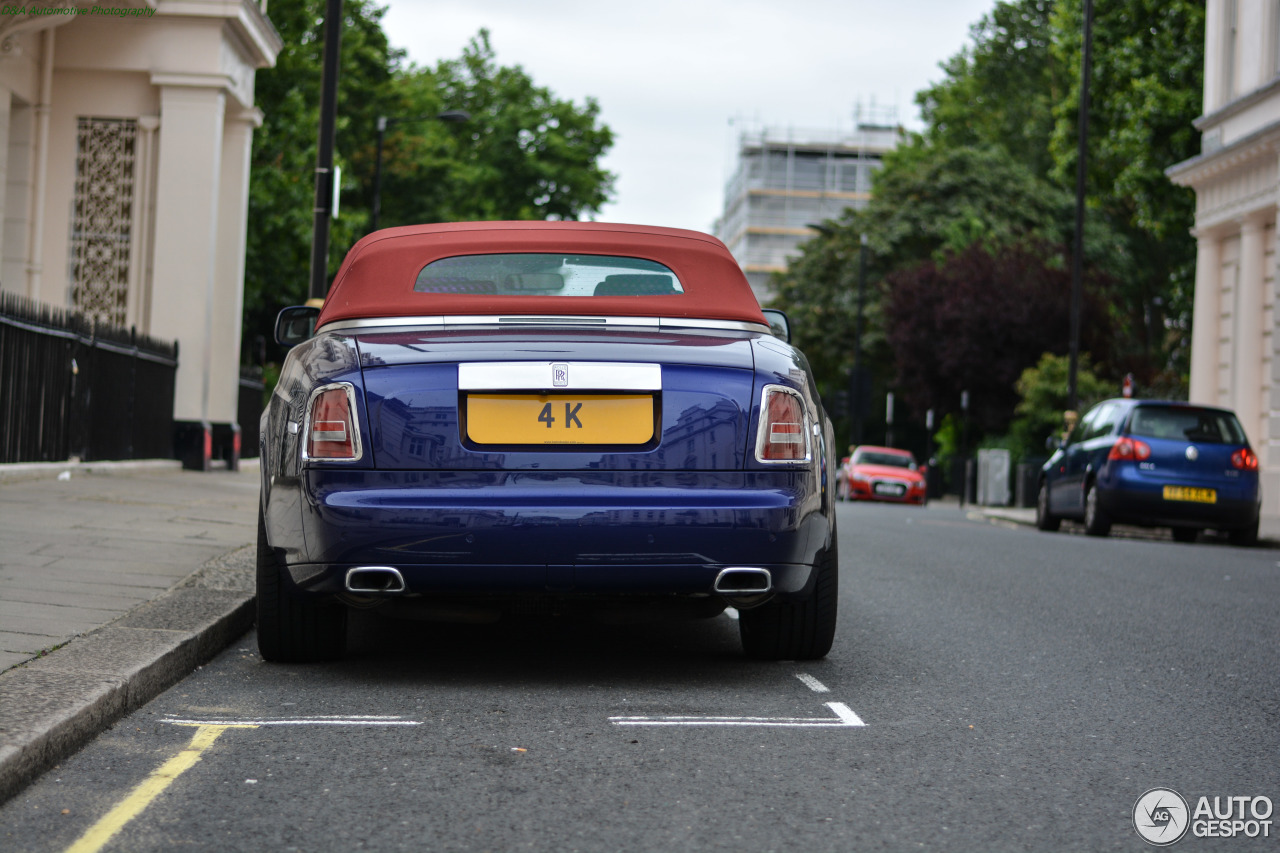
(1186, 493)
(895, 490)
(557, 419)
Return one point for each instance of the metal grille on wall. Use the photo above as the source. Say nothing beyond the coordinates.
(102, 218)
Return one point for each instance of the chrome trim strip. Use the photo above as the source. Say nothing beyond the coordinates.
(761, 438)
(559, 375)
(355, 422)
(454, 320)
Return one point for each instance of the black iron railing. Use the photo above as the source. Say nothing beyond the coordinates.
(70, 387)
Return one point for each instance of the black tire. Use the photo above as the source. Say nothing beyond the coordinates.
(1246, 536)
(796, 630)
(1096, 520)
(1045, 520)
(1186, 534)
(291, 629)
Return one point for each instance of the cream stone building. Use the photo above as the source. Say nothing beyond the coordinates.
(1234, 358)
(125, 131)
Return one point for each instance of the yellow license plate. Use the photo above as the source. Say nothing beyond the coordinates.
(557, 419)
(1186, 493)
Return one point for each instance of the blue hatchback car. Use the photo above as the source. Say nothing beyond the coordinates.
(1154, 463)
(544, 417)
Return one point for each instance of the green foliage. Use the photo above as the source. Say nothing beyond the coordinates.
(1000, 90)
(1043, 393)
(282, 176)
(1146, 89)
(995, 168)
(524, 154)
(929, 202)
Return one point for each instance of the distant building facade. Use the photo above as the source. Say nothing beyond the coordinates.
(125, 141)
(1235, 360)
(785, 182)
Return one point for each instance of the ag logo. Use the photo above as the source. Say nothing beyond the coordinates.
(1161, 816)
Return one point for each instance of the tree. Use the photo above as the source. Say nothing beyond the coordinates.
(1043, 393)
(1146, 89)
(929, 203)
(282, 168)
(1001, 89)
(975, 322)
(524, 154)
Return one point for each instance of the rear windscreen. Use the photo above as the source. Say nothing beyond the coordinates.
(1181, 423)
(547, 274)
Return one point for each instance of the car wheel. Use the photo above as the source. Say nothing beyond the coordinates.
(1245, 536)
(1096, 521)
(291, 630)
(1186, 534)
(1045, 520)
(796, 630)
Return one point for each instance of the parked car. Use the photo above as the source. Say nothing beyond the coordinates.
(556, 417)
(882, 474)
(1154, 463)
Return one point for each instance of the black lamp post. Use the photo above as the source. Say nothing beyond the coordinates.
(324, 151)
(1077, 251)
(383, 124)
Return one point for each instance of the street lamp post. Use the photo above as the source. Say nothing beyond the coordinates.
(861, 395)
(383, 124)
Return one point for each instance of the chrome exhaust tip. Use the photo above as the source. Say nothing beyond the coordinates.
(374, 579)
(739, 580)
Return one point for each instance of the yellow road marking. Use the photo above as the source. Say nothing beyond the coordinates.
(140, 797)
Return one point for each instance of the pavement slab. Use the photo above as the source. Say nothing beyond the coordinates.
(114, 584)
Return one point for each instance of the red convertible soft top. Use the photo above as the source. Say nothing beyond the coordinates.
(378, 275)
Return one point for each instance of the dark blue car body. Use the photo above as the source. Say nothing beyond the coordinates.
(424, 517)
(1154, 463)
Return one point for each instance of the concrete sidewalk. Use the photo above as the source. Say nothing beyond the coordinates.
(1268, 530)
(116, 580)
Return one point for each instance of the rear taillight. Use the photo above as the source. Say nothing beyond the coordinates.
(1245, 459)
(1131, 449)
(783, 435)
(331, 432)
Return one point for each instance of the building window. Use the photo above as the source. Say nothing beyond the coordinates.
(102, 218)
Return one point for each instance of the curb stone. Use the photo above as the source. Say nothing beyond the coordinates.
(53, 705)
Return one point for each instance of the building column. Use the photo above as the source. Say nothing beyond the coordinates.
(1246, 385)
(228, 294)
(188, 192)
(1205, 320)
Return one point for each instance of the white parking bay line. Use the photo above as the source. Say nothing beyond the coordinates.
(358, 720)
(812, 683)
(844, 718)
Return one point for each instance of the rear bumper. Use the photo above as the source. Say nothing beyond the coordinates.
(863, 491)
(558, 532)
(1147, 507)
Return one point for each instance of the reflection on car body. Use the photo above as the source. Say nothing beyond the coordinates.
(555, 416)
(1154, 463)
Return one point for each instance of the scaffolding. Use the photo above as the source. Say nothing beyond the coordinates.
(789, 179)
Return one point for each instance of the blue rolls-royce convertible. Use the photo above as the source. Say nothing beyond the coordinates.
(492, 418)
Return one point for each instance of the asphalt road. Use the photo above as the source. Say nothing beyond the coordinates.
(1015, 690)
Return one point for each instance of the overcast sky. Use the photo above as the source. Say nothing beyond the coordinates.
(677, 80)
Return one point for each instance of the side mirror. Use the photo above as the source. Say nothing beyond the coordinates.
(296, 324)
(1053, 443)
(779, 325)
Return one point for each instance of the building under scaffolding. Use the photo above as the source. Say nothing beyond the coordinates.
(788, 180)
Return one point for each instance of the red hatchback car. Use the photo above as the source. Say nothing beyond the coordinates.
(881, 474)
